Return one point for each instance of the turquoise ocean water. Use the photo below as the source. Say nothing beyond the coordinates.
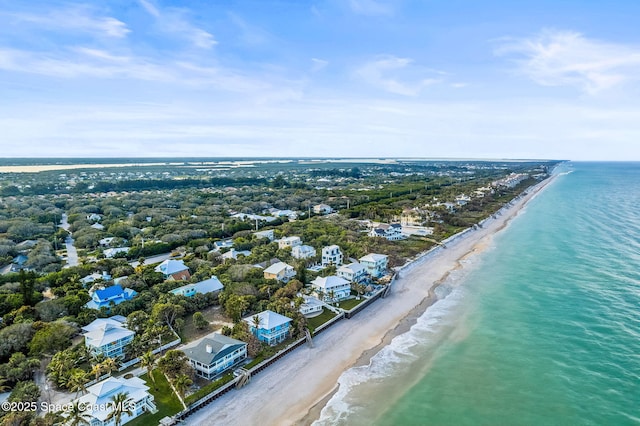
(541, 328)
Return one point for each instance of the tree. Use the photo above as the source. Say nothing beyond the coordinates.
(3, 385)
(182, 383)
(26, 391)
(14, 338)
(77, 382)
(200, 321)
(76, 415)
(147, 361)
(174, 363)
(167, 313)
(255, 321)
(121, 404)
(97, 370)
(109, 365)
(51, 338)
(19, 368)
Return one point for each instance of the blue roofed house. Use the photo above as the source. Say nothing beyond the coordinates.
(214, 354)
(105, 297)
(271, 328)
(107, 336)
(211, 285)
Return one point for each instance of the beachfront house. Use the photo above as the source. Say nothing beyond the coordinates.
(303, 252)
(107, 336)
(214, 354)
(376, 264)
(288, 242)
(279, 271)
(99, 405)
(269, 327)
(354, 272)
(331, 288)
(392, 232)
(331, 255)
(103, 298)
(212, 285)
(173, 269)
(311, 307)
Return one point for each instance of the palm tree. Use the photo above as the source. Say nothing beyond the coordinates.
(255, 320)
(121, 404)
(76, 415)
(332, 295)
(98, 358)
(109, 365)
(77, 381)
(97, 370)
(147, 361)
(182, 383)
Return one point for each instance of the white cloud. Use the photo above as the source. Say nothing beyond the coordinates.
(371, 7)
(73, 18)
(318, 64)
(175, 21)
(397, 75)
(566, 58)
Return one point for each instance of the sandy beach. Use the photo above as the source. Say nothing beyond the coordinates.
(294, 390)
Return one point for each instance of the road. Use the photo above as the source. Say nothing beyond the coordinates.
(72, 253)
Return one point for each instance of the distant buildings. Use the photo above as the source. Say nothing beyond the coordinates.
(174, 270)
(392, 232)
(322, 209)
(107, 336)
(214, 354)
(265, 234)
(105, 297)
(303, 252)
(211, 285)
(287, 242)
(279, 271)
(111, 252)
(331, 255)
(271, 328)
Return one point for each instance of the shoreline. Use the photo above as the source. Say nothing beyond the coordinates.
(298, 391)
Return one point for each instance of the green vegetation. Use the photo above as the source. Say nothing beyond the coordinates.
(206, 390)
(315, 322)
(165, 399)
(349, 304)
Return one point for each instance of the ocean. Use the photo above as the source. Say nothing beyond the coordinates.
(540, 328)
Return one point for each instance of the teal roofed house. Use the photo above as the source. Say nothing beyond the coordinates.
(211, 285)
(272, 328)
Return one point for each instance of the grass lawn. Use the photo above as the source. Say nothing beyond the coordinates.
(166, 401)
(316, 322)
(350, 303)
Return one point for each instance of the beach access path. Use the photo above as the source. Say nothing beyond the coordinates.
(293, 390)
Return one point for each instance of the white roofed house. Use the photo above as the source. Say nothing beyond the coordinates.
(376, 264)
(107, 336)
(211, 285)
(271, 328)
(289, 242)
(268, 234)
(354, 272)
(392, 232)
(322, 209)
(279, 271)
(214, 354)
(311, 307)
(303, 252)
(99, 405)
(331, 255)
(331, 288)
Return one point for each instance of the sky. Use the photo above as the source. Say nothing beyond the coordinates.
(322, 78)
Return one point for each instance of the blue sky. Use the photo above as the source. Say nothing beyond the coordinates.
(491, 79)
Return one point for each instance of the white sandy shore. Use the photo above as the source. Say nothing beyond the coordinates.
(286, 392)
